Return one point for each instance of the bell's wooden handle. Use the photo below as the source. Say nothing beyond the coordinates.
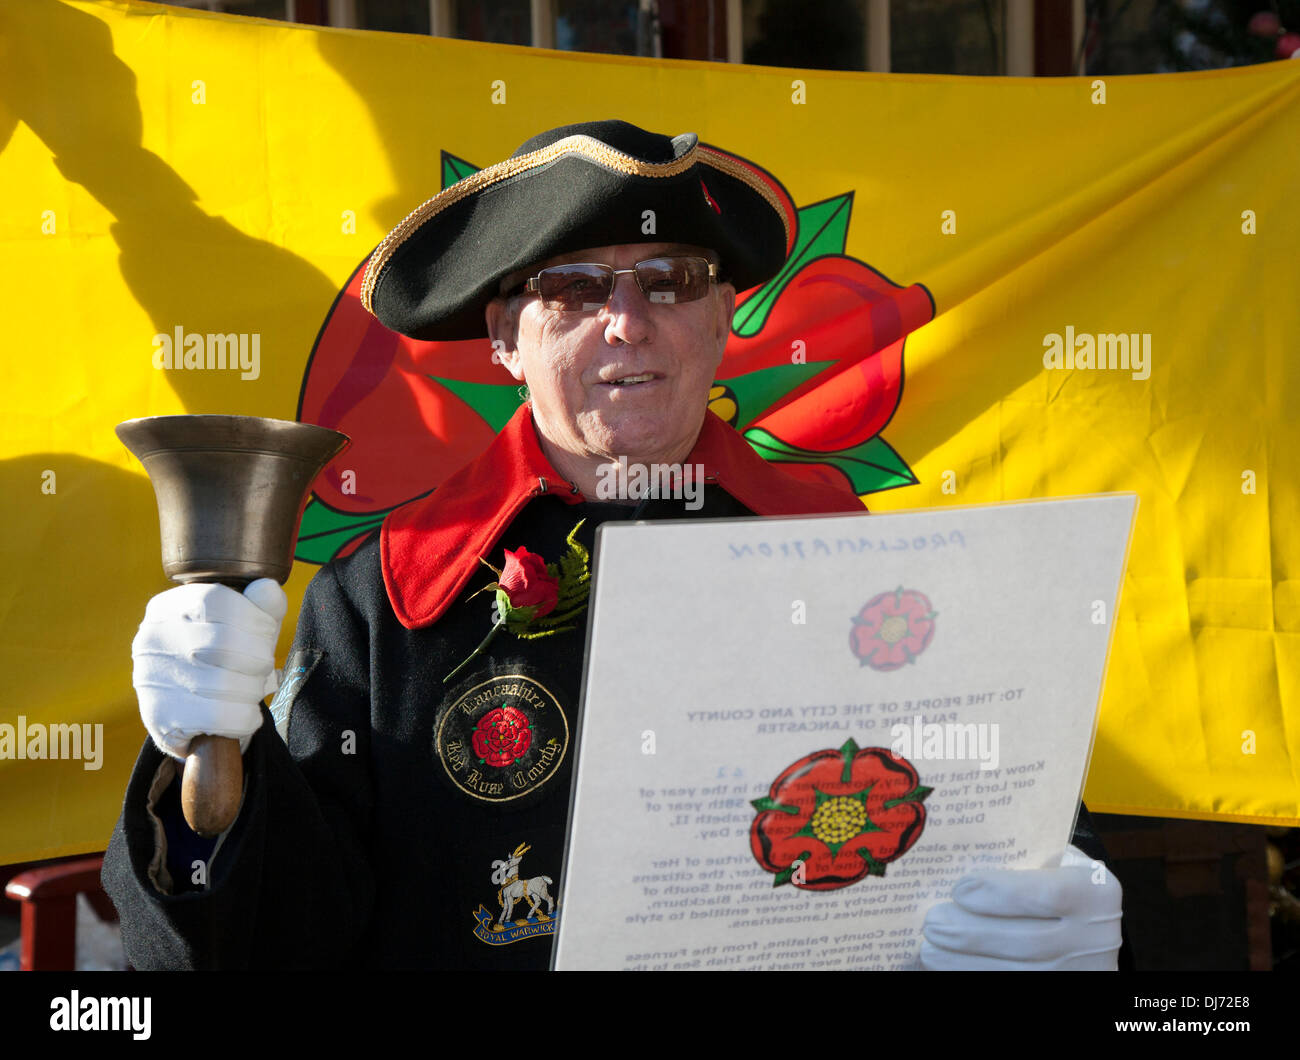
(213, 784)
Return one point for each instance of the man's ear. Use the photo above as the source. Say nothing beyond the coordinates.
(504, 335)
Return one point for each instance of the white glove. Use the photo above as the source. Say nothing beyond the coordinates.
(204, 659)
(1028, 919)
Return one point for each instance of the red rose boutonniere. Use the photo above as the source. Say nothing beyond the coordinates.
(535, 598)
(525, 582)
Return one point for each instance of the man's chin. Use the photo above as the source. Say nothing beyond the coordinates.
(642, 439)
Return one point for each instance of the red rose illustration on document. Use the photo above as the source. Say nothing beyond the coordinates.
(892, 629)
(841, 815)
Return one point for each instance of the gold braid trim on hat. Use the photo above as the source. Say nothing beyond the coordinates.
(743, 173)
(587, 146)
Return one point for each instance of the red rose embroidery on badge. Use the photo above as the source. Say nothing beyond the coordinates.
(892, 629)
(844, 814)
(502, 736)
(527, 582)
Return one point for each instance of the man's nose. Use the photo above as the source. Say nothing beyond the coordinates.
(627, 312)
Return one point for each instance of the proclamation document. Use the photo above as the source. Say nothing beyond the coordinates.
(798, 733)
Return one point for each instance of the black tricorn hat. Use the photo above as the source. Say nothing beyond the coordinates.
(578, 186)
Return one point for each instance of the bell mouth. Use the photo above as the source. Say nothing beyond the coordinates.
(231, 490)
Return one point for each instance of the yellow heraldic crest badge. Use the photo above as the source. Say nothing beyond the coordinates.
(515, 894)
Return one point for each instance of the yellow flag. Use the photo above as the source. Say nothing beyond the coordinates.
(999, 289)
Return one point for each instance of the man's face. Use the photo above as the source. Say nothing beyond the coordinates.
(570, 361)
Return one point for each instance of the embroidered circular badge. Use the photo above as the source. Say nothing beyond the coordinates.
(503, 738)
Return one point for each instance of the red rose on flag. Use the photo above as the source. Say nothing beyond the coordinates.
(892, 629)
(843, 814)
(502, 736)
(528, 583)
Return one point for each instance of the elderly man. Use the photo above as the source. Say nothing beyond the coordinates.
(407, 790)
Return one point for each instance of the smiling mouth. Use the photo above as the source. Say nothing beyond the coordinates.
(632, 380)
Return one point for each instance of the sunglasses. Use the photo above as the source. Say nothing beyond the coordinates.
(582, 287)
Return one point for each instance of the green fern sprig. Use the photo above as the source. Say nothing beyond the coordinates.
(573, 575)
(573, 586)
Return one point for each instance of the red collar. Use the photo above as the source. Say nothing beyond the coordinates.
(430, 547)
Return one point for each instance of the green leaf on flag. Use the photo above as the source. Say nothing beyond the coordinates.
(756, 392)
(870, 467)
(325, 530)
(454, 169)
(823, 229)
(495, 402)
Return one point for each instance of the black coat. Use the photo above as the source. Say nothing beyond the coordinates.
(376, 849)
(368, 834)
